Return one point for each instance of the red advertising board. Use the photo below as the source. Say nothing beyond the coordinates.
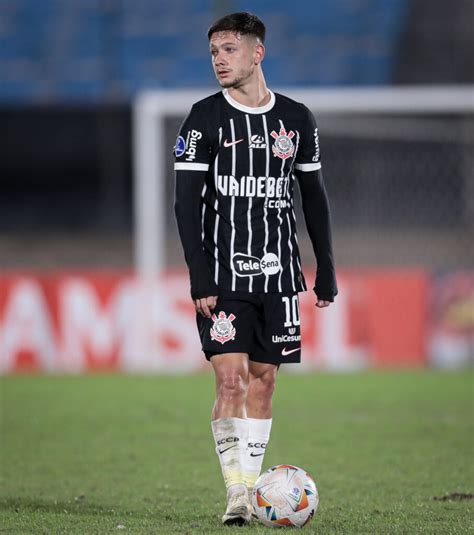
(76, 322)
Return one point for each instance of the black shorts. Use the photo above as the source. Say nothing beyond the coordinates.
(266, 326)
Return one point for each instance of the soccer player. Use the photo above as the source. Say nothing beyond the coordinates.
(237, 155)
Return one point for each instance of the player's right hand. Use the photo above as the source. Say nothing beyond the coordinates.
(204, 305)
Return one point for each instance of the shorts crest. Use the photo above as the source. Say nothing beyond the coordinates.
(222, 330)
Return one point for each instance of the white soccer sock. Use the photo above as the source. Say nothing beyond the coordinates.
(259, 434)
(231, 438)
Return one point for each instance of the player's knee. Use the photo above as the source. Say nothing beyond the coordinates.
(263, 387)
(232, 386)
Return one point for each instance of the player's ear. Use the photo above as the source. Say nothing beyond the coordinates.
(259, 53)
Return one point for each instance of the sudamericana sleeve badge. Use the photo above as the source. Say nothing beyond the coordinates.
(222, 330)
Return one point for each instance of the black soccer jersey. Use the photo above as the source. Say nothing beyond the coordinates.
(248, 223)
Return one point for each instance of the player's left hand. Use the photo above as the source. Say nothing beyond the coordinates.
(322, 304)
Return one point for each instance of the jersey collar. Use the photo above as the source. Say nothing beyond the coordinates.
(248, 109)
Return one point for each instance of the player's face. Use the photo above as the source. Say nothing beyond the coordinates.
(234, 58)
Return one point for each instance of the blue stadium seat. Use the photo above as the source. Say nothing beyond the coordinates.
(91, 50)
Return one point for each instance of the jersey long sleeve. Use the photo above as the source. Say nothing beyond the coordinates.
(192, 163)
(318, 222)
(316, 209)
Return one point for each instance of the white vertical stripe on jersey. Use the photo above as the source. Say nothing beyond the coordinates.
(280, 221)
(232, 207)
(265, 212)
(216, 225)
(296, 236)
(203, 192)
(291, 252)
(249, 209)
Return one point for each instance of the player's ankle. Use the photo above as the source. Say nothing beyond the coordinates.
(236, 489)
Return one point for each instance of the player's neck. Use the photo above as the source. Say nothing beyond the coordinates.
(254, 94)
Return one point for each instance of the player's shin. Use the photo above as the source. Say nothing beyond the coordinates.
(231, 438)
(259, 435)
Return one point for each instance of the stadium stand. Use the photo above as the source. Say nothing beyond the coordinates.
(94, 50)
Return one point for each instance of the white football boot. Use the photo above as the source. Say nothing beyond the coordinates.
(238, 510)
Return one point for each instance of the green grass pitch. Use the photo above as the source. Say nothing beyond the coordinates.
(132, 454)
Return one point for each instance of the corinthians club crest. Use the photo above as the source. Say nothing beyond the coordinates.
(222, 331)
(283, 147)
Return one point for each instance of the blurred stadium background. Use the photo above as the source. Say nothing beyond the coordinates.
(401, 182)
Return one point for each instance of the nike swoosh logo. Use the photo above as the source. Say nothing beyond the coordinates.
(256, 454)
(286, 352)
(229, 448)
(230, 143)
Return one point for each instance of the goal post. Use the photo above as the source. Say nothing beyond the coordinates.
(152, 146)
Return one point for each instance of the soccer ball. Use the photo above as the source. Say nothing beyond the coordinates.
(285, 495)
